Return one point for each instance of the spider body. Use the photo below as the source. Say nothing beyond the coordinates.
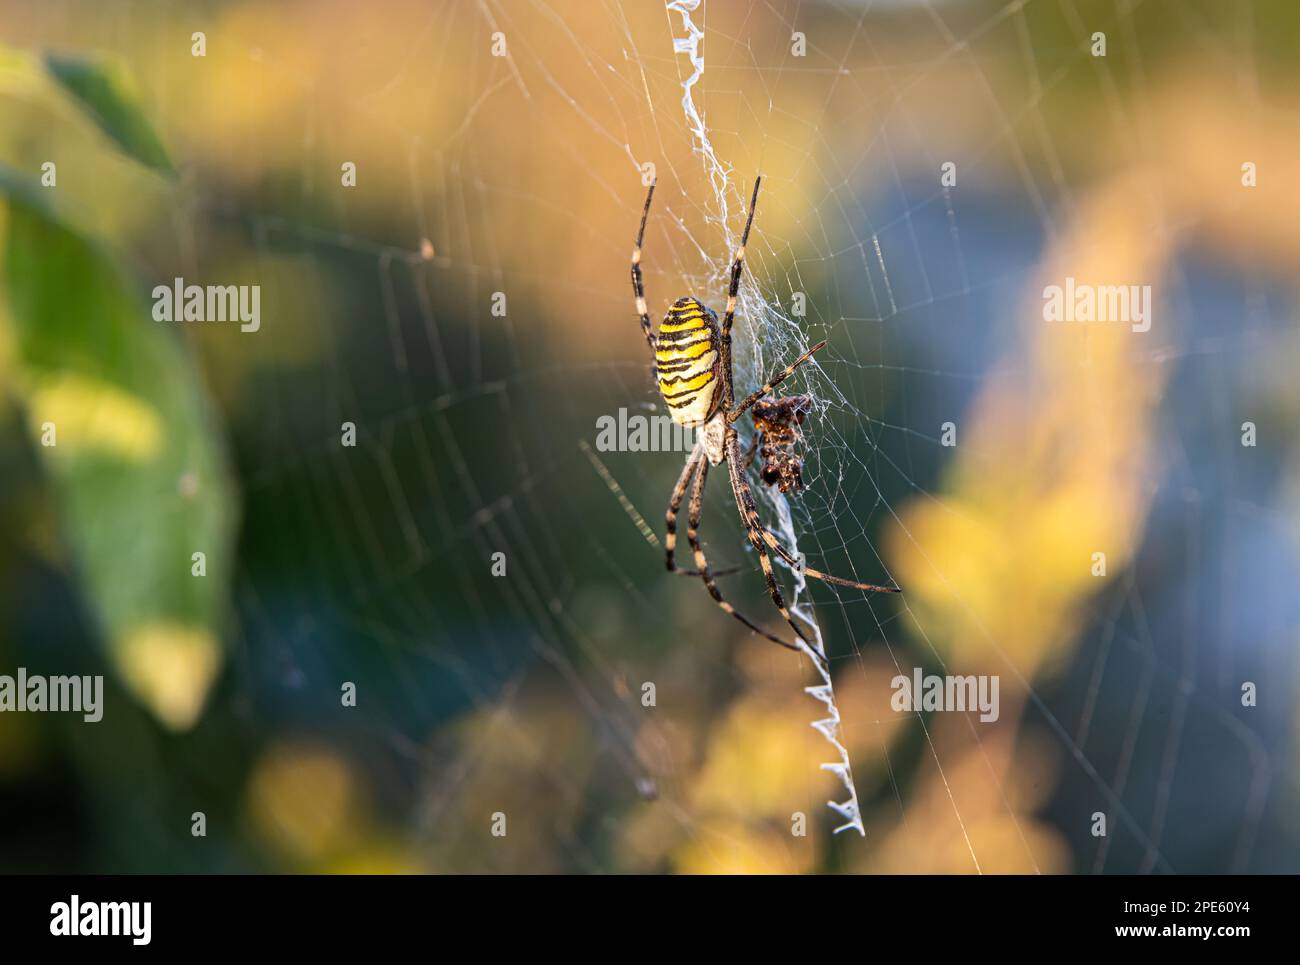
(692, 353)
(777, 423)
(688, 359)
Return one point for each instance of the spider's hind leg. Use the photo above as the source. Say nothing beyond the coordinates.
(638, 283)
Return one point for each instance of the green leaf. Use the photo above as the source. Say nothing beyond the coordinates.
(136, 465)
(104, 91)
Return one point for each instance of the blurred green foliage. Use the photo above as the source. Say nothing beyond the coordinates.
(118, 415)
(104, 90)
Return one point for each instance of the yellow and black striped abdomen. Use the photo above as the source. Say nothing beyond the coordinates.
(687, 358)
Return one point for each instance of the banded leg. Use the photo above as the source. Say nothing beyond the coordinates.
(695, 459)
(739, 264)
(772, 383)
(749, 515)
(756, 530)
(770, 538)
(675, 504)
(702, 564)
(638, 284)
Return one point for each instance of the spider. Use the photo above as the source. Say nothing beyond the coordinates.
(692, 356)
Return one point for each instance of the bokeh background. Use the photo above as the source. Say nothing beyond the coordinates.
(521, 694)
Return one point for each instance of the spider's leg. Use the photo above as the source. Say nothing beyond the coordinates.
(638, 285)
(772, 383)
(770, 538)
(739, 263)
(702, 564)
(675, 504)
(749, 510)
(695, 459)
(753, 525)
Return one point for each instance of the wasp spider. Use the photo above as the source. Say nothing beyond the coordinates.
(692, 355)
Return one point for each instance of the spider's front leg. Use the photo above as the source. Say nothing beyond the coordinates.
(754, 528)
(675, 505)
(761, 537)
(795, 562)
(698, 466)
(695, 462)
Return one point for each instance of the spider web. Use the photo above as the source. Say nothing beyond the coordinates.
(523, 693)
